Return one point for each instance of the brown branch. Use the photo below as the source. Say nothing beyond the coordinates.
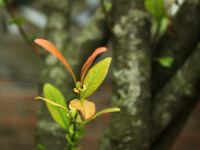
(107, 15)
(167, 138)
(20, 28)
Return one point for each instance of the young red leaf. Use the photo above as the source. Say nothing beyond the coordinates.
(54, 51)
(90, 60)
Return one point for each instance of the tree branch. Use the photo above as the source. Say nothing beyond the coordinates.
(167, 138)
(179, 42)
(177, 94)
(22, 32)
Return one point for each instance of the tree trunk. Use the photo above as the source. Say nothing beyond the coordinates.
(149, 95)
(129, 129)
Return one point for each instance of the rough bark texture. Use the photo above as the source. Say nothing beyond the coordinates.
(129, 129)
(179, 43)
(168, 137)
(177, 94)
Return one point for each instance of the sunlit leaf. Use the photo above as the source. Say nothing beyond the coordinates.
(107, 110)
(95, 77)
(164, 25)
(58, 114)
(54, 51)
(54, 104)
(87, 108)
(156, 8)
(165, 61)
(90, 60)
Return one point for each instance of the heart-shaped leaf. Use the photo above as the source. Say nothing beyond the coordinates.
(87, 108)
(54, 51)
(58, 114)
(95, 77)
(90, 60)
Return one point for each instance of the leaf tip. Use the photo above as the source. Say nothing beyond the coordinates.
(117, 109)
(46, 85)
(37, 98)
(38, 41)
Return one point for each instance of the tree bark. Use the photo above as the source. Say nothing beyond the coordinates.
(129, 129)
(176, 96)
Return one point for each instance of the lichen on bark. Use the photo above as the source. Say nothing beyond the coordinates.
(129, 129)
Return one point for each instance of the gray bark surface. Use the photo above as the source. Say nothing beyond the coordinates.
(129, 129)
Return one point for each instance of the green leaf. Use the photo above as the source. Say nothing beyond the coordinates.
(154, 28)
(95, 77)
(163, 25)
(41, 147)
(54, 104)
(19, 20)
(107, 110)
(104, 111)
(58, 114)
(156, 8)
(108, 5)
(165, 61)
(2, 3)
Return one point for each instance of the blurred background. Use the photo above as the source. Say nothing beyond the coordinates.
(19, 79)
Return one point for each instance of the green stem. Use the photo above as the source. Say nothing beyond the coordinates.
(72, 145)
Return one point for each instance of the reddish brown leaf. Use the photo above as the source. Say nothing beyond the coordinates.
(54, 51)
(90, 60)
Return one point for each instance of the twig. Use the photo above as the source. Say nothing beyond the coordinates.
(108, 20)
(20, 28)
